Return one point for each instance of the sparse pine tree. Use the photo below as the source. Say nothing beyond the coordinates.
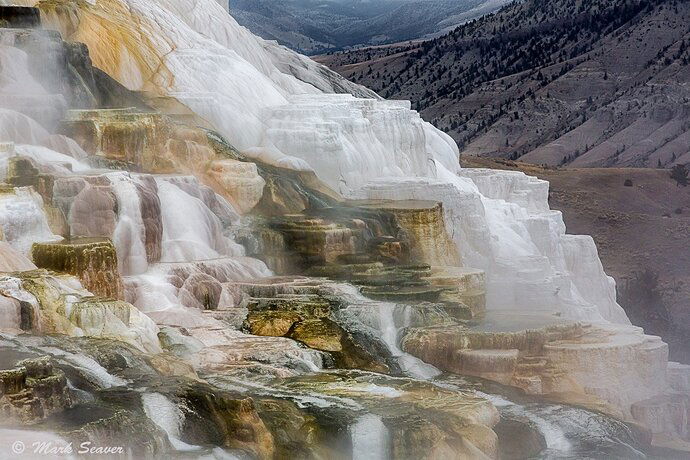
(679, 173)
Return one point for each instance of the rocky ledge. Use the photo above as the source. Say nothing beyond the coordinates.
(92, 260)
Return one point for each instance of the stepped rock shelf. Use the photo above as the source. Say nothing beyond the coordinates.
(214, 247)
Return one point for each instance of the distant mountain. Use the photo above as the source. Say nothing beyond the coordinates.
(318, 26)
(586, 83)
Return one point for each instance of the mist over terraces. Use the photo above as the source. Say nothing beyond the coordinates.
(213, 247)
(572, 83)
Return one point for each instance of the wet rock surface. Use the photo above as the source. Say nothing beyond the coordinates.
(422, 224)
(93, 261)
(20, 17)
(49, 303)
(117, 396)
(210, 354)
(32, 391)
(145, 141)
(304, 310)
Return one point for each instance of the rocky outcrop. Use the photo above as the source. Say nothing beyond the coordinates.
(463, 288)
(518, 440)
(511, 357)
(57, 304)
(301, 310)
(266, 244)
(19, 17)
(223, 419)
(150, 142)
(31, 391)
(423, 227)
(93, 261)
(409, 419)
(127, 137)
(315, 414)
(566, 361)
(377, 244)
(239, 180)
(316, 241)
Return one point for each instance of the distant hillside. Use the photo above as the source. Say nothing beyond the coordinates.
(317, 26)
(581, 83)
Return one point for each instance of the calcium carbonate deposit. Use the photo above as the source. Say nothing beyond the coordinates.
(211, 194)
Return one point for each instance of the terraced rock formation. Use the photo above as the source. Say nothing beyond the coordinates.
(211, 353)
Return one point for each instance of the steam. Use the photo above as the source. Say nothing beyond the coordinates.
(29, 114)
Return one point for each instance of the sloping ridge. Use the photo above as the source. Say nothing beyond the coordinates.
(592, 84)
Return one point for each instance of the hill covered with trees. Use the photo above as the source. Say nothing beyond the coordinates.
(317, 26)
(574, 83)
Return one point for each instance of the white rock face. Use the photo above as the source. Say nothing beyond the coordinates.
(278, 106)
(22, 219)
(65, 307)
(530, 263)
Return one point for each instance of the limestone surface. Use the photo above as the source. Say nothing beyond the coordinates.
(93, 261)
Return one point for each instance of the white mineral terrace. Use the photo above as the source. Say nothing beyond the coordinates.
(364, 148)
(277, 106)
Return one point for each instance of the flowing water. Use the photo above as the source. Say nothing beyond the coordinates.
(569, 432)
(168, 416)
(390, 334)
(130, 233)
(370, 439)
(200, 238)
(194, 250)
(385, 320)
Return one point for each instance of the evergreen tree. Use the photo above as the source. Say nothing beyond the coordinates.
(679, 173)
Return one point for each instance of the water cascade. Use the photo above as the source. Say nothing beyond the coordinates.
(22, 219)
(130, 233)
(202, 239)
(570, 432)
(167, 416)
(369, 439)
(188, 136)
(385, 320)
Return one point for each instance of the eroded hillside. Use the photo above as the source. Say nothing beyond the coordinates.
(313, 26)
(589, 83)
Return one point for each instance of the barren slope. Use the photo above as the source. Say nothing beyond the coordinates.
(587, 83)
(315, 26)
